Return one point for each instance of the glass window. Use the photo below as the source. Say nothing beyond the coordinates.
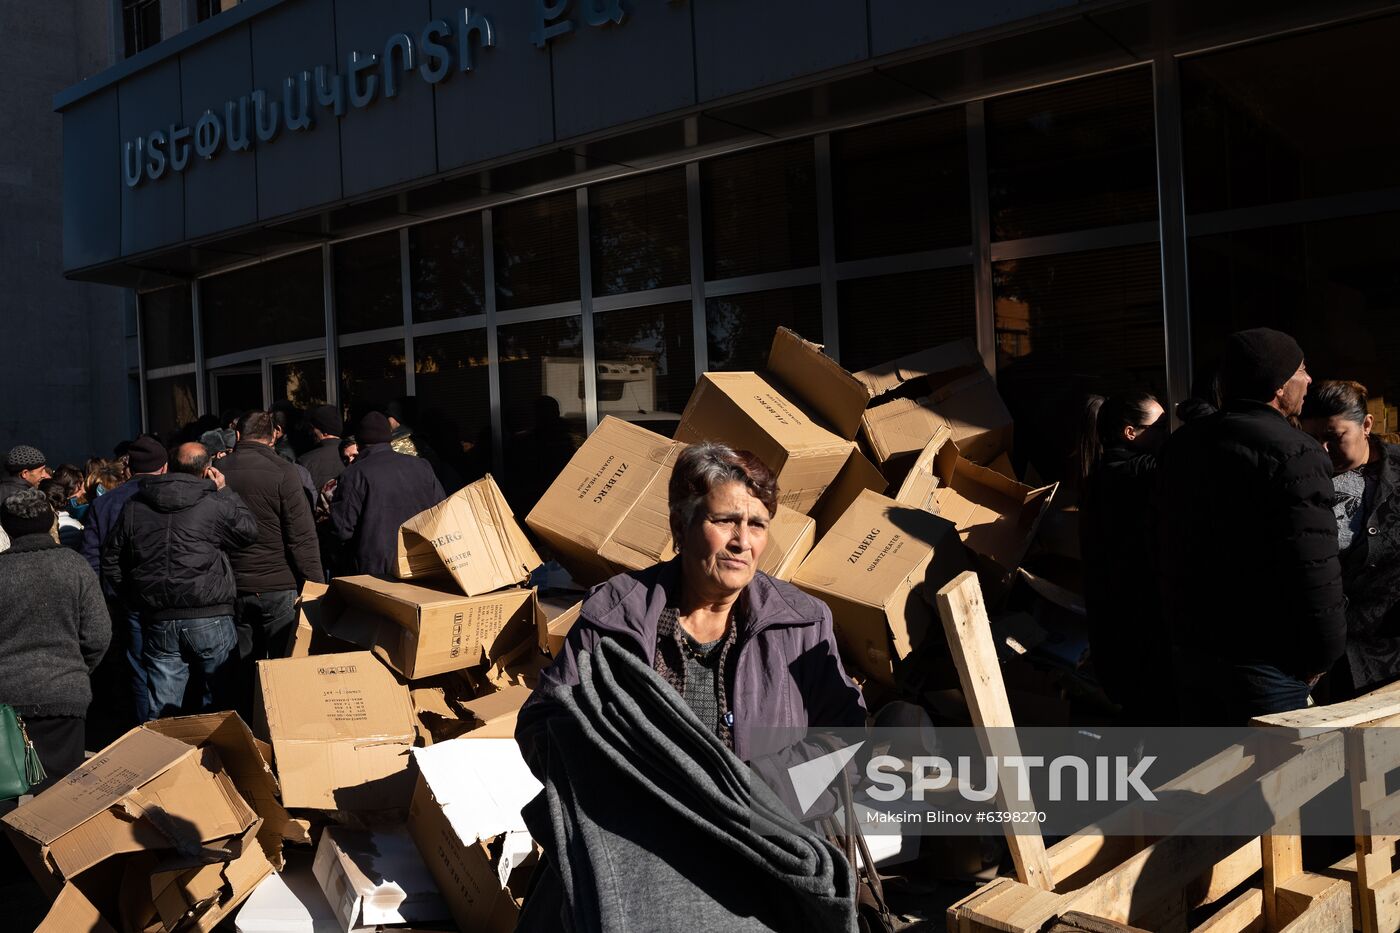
(542, 404)
(901, 187)
(760, 210)
(536, 251)
(446, 263)
(140, 25)
(1333, 285)
(640, 233)
(301, 382)
(889, 316)
(371, 376)
(454, 400)
(741, 327)
(1291, 118)
(208, 8)
(1072, 156)
(167, 327)
(235, 390)
(368, 283)
(170, 404)
(1072, 325)
(269, 303)
(646, 364)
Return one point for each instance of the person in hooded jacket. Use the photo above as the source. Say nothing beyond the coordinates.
(168, 559)
(1126, 638)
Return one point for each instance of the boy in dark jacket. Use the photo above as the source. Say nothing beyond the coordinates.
(168, 558)
(1251, 583)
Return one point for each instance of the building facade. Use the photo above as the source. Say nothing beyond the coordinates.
(512, 219)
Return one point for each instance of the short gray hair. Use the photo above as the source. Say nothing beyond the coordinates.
(28, 503)
(701, 467)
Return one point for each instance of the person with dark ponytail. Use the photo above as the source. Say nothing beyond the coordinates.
(1118, 455)
(1366, 479)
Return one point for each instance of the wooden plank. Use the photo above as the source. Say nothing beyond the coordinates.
(969, 636)
(1076, 922)
(1004, 906)
(1297, 895)
(1317, 719)
(1282, 857)
(1228, 874)
(1385, 899)
(1245, 914)
(1329, 913)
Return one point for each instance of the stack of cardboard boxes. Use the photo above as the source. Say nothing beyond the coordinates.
(387, 734)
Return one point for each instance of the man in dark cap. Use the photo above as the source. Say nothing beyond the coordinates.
(1247, 543)
(147, 457)
(377, 493)
(25, 468)
(323, 461)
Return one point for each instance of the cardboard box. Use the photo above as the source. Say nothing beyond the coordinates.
(553, 624)
(289, 902)
(341, 729)
(944, 386)
(599, 531)
(857, 475)
(371, 877)
(310, 636)
(799, 416)
(996, 517)
(465, 818)
(419, 631)
(871, 568)
(448, 709)
(473, 535)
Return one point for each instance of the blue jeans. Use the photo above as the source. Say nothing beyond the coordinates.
(140, 689)
(1261, 689)
(173, 648)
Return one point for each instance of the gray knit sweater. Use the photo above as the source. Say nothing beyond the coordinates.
(54, 628)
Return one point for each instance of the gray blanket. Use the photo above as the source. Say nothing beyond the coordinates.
(650, 823)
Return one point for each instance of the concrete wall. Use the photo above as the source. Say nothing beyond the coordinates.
(63, 345)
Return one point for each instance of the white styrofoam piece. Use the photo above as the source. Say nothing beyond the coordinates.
(481, 785)
(375, 876)
(291, 902)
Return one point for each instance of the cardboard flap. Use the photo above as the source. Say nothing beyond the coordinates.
(819, 381)
(475, 535)
(791, 537)
(949, 358)
(933, 470)
(72, 911)
(856, 475)
(481, 785)
(99, 783)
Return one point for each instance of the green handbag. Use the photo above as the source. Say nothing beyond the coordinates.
(19, 762)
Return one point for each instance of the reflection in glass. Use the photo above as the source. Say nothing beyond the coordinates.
(542, 404)
(170, 404)
(301, 382)
(741, 327)
(1072, 325)
(902, 186)
(889, 316)
(234, 390)
(272, 302)
(1333, 285)
(454, 400)
(167, 327)
(646, 366)
(536, 251)
(639, 232)
(1072, 156)
(446, 263)
(368, 283)
(371, 376)
(1291, 118)
(760, 210)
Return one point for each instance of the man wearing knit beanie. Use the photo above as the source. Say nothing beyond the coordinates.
(1249, 573)
(27, 465)
(376, 494)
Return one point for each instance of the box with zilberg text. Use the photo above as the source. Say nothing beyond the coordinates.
(471, 535)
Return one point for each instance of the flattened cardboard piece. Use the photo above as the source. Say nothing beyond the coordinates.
(421, 632)
(144, 791)
(553, 630)
(471, 791)
(341, 729)
(247, 764)
(858, 474)
(198, 898)
(749, 412)
(871, 569)
(71, 911)
(818, 381)
(474, 534)
(591, 496)
(942, 363)
(374, 877)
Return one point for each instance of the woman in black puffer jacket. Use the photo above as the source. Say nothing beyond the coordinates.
(1367, 506)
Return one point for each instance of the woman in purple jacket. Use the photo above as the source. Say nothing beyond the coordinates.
(754, 657)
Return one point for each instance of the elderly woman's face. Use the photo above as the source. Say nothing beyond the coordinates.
(722, 547)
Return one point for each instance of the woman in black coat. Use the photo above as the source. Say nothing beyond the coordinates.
(1127, 644)
(1367, 506)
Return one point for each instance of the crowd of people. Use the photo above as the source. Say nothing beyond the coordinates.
(1242, 565)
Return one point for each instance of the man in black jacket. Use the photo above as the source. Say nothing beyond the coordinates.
(377, 493)
(1250, 578)
(268, 574)
(323, 461)
(168, 558)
